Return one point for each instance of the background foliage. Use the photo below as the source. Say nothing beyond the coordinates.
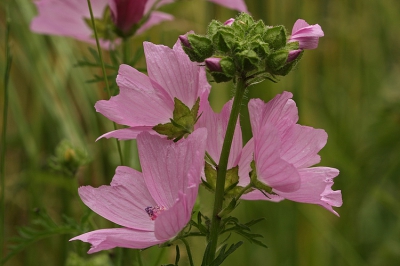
(349, 86)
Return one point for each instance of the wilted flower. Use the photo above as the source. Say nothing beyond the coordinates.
(147, 101)
(152, 206)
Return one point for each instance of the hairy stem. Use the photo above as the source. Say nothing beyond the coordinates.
(222, 168)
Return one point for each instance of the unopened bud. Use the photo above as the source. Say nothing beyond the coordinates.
(293, 55)
(213, 64)
(185, 41)
(229, 22)
(197, 47)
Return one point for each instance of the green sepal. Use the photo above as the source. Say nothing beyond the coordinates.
(201, 48)
(231, 180)
(213, 28)
(258, 28)
(248, 60)
(277, 60)
(276, 37)
(182, 122)
(224, 39)
(289, 66)
(211, 176)
(228, 66)
(255, 182)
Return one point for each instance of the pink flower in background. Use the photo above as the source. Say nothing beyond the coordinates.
(239, 5)
(152, 206)
(67, 17)
(146, 101)
(126, 13)
(283, 153)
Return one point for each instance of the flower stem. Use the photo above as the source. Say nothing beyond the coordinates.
(104, 72)
(4, 130)
(222, 168)
(189, 253)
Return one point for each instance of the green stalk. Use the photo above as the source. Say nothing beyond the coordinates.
(104, 72)
(4, 130)
(222, 168)
(189, 253)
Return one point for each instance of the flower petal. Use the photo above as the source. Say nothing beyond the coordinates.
(127, 133)
(118, 237)
(216, 125)
(138, 103)
(246, 157)
(167, 165)
(316, 188)
(66, 18)
(301, 144)
(170, 222)
(281, 112)
(173, 70)
(271, 168)
(238, 5)
(123, 202)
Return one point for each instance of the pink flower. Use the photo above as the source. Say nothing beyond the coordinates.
(239, 5)
(126, 13)
(152, 206)
(307, 35)
(67, 17)
(146, 101)
(216, 124)
(283, 153)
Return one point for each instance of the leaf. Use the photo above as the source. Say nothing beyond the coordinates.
(224, 254)
(182, 122)
(42, 227)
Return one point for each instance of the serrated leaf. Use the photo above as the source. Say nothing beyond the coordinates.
(182, 122)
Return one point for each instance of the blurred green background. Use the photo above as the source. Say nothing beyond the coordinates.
(349, 86)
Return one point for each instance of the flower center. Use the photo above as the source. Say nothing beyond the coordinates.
(154, 211)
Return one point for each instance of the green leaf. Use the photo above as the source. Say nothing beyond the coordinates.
(224, 254)
(182, 122)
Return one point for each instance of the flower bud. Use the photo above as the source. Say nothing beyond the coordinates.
(213, 64)
(277, 60)
(185, 41)
(222, 69)
(293, 55)
(229, 22)
(126, 14)
(197, 47)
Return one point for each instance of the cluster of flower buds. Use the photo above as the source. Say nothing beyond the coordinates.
(246, 47)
